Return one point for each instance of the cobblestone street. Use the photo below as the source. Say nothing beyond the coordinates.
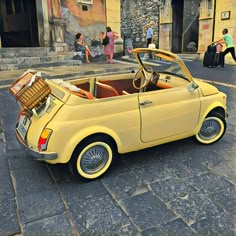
(179, 188)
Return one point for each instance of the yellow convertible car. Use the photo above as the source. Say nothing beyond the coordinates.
(87, 121)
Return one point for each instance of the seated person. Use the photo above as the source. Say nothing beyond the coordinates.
(80, 46)
(152, 85)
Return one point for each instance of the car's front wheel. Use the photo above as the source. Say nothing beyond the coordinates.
(212, 129)
(93, 157)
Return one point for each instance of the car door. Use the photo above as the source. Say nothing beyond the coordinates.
(168, 112)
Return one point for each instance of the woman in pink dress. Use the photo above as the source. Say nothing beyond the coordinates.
(109, 48)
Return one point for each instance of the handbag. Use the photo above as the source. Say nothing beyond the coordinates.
(152, 45)
(105, 41)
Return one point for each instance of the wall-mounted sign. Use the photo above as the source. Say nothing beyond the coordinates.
(225, 15)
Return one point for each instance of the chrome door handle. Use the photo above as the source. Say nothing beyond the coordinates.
(145, 103)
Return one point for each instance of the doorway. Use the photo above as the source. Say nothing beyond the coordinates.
(177, 26)
(18, 23)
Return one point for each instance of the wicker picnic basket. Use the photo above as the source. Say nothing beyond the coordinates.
(30, 94)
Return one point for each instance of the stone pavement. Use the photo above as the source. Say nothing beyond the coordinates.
(180, 188)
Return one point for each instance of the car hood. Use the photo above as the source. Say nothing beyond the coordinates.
(206, 88)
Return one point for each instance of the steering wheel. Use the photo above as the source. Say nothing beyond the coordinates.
(143, 75)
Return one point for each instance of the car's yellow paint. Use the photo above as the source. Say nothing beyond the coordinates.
(108, 116)
(160, 127)
(168, 58)
(134, 121)
(173, 112)
(208, 104)
(207, 89)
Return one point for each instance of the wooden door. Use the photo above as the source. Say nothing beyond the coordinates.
(18, 23)
(177, 25)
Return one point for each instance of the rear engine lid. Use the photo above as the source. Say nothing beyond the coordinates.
(58, 91)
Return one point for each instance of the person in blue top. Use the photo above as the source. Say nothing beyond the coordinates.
(229, 42)
(149, 33)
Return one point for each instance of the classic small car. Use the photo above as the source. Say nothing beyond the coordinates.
(87, 121)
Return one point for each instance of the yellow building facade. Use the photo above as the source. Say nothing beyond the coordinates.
(113, 19)
(214, 16)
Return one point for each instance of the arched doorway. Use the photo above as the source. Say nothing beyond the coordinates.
(18, 23)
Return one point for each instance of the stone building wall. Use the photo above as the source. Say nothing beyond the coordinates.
(165, 33)
(134, 16)
(88, 19)
(190, 24)
(191, 10)
(91, 20)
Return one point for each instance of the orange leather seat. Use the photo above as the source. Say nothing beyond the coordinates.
(104, 91)
(83, 94)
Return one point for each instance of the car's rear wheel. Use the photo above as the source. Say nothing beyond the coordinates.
(93, 157)
(212, 129)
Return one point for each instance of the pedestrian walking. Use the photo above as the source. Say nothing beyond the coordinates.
(149, 33)
(229, 42)
(109, 47)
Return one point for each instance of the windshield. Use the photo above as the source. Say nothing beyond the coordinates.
(162, 63)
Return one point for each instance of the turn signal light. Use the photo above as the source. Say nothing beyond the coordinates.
(43, 139)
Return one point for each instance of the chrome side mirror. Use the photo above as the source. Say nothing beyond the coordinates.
(192, 86)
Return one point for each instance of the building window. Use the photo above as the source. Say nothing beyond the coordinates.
(209, 5)
(84, 7)
(89, 2)
(206, 8)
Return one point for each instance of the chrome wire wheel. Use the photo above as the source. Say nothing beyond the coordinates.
(93, 159)
(212, 129)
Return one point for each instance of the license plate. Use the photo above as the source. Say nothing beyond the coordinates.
(23, 126)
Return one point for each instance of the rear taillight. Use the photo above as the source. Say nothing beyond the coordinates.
(43, 139)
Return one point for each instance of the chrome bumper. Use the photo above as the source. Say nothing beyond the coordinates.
(40, 156)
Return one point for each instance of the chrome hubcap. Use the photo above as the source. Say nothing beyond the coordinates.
(210, 129)
(94, 159)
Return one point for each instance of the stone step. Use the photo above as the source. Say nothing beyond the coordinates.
(23, 52)
(12, 54)
(8, 61)
(29, 52)
(18, 60)
(30, 64)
